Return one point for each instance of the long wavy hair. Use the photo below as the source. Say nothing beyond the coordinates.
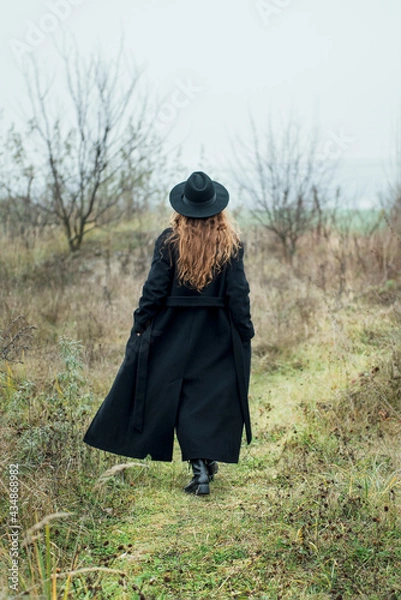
(203, 246)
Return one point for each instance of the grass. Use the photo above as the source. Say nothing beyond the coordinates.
(311, 511)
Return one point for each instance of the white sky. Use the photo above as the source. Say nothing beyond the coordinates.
(336, 61)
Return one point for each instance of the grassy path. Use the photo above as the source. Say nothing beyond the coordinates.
(291, 520)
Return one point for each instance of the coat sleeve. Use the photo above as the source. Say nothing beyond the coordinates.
(237, 292)
(156, 287)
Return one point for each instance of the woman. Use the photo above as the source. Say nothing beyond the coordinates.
(187, 361)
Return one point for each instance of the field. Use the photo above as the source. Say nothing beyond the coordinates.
(313, 508)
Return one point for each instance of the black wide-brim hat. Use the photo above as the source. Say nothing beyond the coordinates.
(199, 196)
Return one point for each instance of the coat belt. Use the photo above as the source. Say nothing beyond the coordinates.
(195, 301)
(143, 354)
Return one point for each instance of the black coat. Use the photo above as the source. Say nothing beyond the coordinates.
(188, 371)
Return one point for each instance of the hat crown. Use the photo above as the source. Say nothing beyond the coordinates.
(199, 189)
(199, 197)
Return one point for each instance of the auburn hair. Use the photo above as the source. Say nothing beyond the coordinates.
(203, 247)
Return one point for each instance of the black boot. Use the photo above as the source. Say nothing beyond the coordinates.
(212, 468)
(199, 483)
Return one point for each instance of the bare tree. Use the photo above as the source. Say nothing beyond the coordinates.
(390, 197)
(95, 155)
(17, 213)
(285, 180)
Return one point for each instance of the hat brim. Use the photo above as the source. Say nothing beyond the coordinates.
(177, 202)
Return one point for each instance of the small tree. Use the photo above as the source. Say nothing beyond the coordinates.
(285, 180)
(390, 197)
(95, 155)
(17, 213)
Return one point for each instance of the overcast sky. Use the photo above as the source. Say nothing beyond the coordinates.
(212, 63)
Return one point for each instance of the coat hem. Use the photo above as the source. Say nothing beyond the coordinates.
(216, 458)
(129, 454)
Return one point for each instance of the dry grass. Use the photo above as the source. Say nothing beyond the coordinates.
(312, 509)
